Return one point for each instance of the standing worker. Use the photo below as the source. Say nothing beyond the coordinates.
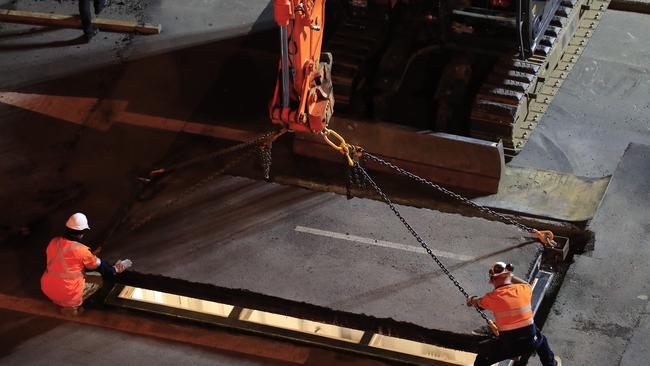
(86, 17)
(64, 281)
(510, 301)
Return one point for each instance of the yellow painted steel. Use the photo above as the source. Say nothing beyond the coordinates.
(548, 194)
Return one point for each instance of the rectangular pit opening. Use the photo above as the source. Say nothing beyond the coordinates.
(283, 326)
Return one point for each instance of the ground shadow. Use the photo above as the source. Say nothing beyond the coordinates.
(37, 45)
(27, 32)
(19, 328)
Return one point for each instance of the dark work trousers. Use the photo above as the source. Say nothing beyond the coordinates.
(86, 16)
(515, 343)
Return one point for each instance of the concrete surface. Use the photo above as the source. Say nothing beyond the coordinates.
(601, 313)
(599, 319)
(84, 345)
(49, 53)
(601, 107)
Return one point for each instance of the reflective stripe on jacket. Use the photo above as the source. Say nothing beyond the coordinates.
(510, 305)
(63, 280)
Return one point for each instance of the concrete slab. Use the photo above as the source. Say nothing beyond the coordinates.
(321, 249)
(47, 53)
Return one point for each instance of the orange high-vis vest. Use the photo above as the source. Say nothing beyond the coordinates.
(510, 305)
(63, 280)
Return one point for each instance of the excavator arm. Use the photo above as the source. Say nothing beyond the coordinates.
(303, 99)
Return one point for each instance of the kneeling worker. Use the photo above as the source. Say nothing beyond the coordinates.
(510, 301)
(67, 259)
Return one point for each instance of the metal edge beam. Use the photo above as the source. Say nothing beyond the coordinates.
(362, 347)
(465, 163)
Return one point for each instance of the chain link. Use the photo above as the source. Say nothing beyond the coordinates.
(449, 193)
(366, 177)
(503, 218)
(266, 159)
(353, 178)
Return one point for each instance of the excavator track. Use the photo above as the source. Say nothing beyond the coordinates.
(354, 42)
(517, 93)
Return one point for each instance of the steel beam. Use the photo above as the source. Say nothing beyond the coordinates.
(464, 163)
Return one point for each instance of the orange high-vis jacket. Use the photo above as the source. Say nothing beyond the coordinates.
(63, 280)
(510, 305)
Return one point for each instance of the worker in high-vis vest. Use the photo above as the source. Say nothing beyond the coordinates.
(510, 302)
(67, 259)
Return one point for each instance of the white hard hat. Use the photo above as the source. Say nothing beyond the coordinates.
(78, 221)
(501, 269)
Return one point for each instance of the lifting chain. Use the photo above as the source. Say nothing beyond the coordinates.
(545, 236)
(343, 147)
(353, 153)
(353, 178)
(367, 179)
(357, 175)
(266, 160)
(262, 144)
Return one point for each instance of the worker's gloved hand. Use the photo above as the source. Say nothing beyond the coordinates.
(470, 300)
(122, 265)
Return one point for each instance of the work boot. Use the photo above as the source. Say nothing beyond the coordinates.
(558, 361)
(90, 34)
(72, 310)
(100, 5)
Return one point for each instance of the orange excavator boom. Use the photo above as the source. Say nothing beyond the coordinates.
(303, 99)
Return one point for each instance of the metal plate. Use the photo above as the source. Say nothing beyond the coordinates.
(548, 194)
